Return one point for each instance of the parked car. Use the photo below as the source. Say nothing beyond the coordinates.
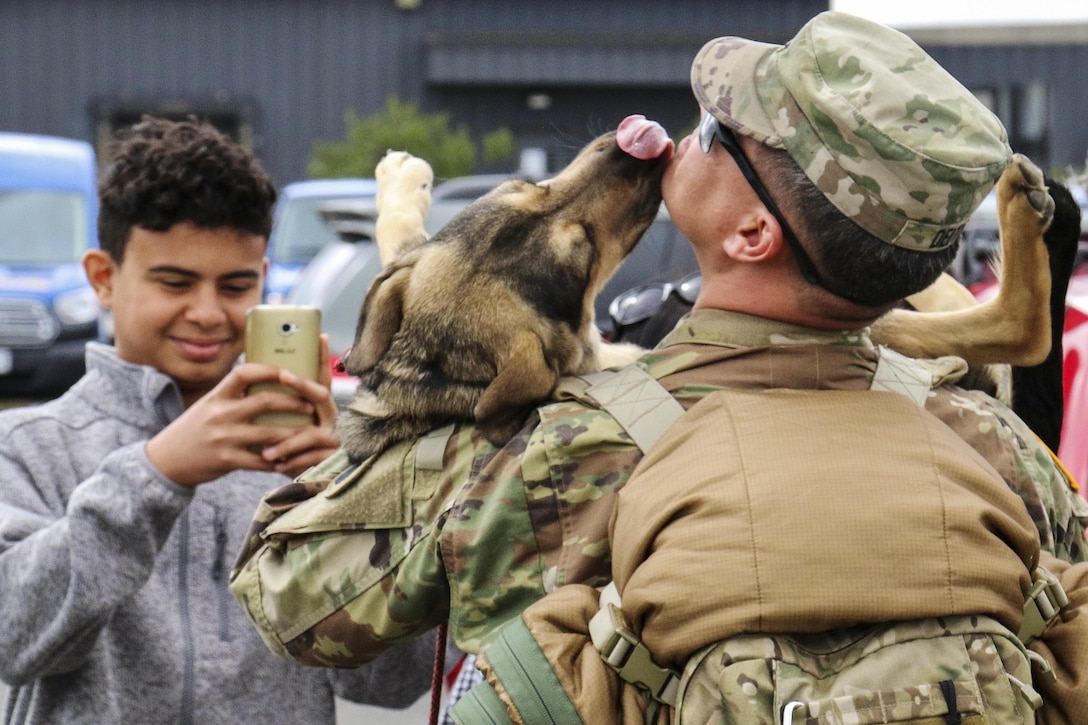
(981, 242)
(449, 197)
(304, 221)
(48, 217)
(337, 278)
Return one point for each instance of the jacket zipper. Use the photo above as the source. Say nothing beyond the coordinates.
(185, 712)
(219, 570)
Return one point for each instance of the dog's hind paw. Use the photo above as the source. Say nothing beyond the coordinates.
(1025, 210)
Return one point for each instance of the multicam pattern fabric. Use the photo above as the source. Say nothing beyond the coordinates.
(348, 560)
(909, 167)
(827, 678)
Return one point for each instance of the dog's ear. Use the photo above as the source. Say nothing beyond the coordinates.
(379, 319)
(523, 379)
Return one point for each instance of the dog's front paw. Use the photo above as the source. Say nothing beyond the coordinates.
(1023, 201)
(392, 167)
(404, 196)
(618, 354)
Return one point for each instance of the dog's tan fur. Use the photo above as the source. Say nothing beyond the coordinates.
(481, 321)
(449, 331)
(404, 195)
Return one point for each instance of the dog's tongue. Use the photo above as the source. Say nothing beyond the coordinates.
(643, 139)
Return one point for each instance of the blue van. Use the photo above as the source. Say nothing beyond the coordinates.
(48, 311)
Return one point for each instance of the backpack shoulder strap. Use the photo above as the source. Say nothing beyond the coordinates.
(638, 402)
(896, 373)
(645, 409)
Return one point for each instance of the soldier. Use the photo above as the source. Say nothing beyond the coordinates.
(827, 181)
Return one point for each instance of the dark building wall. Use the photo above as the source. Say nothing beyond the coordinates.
(284, 72)
(292, 68)
(1039, 91)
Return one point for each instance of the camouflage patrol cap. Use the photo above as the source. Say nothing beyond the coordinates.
(889, 137)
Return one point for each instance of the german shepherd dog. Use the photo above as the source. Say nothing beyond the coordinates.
(480, 321)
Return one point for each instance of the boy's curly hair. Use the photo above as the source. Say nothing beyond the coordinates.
(166, 172)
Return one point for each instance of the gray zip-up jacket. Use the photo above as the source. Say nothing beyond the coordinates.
(114, 605)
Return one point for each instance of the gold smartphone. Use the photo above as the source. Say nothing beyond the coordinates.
(287, 336)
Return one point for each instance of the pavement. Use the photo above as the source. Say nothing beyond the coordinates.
(348, 713)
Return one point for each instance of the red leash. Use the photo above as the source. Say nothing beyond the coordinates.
(438, 672)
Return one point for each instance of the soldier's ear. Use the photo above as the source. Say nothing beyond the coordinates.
(757, 238)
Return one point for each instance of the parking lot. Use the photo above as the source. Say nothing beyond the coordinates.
(348, 713)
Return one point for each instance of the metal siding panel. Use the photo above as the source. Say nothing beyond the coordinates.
(711, 18)
(304, 62)
(983, 67)
(637, 61)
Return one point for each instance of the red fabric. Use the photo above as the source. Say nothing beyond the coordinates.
(1074, 448)
(451, 676)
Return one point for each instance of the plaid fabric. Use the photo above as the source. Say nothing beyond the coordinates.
(467, 677)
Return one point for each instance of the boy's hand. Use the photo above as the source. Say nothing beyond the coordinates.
(309, 445)
(216, 436)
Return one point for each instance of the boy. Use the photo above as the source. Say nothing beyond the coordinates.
(113, 552)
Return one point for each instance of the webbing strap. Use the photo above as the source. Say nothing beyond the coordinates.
(638, 402)
(432, 448)
(481, 705)
(1044, 603)
(516, 659)
(625, 653)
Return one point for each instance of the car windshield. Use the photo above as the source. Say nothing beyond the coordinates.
(307, 224)
(42, 226)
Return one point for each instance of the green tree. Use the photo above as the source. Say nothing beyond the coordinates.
(498, 145)
(450, 152)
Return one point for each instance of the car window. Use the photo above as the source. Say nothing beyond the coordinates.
(302, 231)
(42, 226)
(336, 281)
(309, 223)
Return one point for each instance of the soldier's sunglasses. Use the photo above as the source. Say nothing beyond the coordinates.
(711, 129)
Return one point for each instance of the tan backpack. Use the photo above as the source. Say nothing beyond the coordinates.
(959, 669)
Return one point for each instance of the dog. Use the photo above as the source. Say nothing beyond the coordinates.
(480, 322)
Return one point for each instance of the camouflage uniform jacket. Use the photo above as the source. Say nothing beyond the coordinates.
(348, 560)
